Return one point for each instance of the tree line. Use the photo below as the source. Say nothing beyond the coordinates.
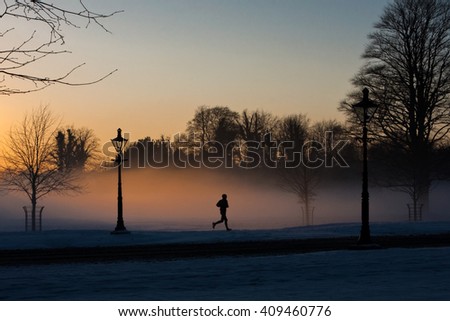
(217, 137)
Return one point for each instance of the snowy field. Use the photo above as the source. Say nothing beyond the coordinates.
(84, 238)
(388, 274)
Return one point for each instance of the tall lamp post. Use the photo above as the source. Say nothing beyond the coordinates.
(365, 110)
(119, 144)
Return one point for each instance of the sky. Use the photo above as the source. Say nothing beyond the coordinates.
(172, 56)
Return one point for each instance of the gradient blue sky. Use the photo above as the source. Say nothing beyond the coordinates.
(286, 56)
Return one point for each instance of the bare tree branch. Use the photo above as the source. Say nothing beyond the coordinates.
(44, 19)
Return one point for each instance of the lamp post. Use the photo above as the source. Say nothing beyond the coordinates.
(119, 144)
(365, 110)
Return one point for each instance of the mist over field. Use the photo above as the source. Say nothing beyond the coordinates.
(177, 199)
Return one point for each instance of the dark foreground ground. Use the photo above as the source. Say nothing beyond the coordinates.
(199, 250)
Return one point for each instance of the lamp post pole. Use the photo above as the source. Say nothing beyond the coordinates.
(365, 109)
(364, 237)
(120, 227)
(119, 143)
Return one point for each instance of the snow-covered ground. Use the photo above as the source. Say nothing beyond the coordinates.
(83, 238)
(390, 274)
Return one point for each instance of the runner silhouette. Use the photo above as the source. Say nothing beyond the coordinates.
(223, 205)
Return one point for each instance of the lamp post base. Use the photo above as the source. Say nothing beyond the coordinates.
(116, 232)
(370, 246)
(120, 229)
(365, 241)
(364, 236)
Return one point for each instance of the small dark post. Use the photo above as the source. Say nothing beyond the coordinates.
(30, 223)
(40, 218)
(119, 143)
(365, 110)
(26, 218)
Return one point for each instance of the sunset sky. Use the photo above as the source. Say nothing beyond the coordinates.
(172, 56)
(285, 57)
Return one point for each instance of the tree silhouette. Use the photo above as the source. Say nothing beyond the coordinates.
(146, 152)
(256, 130)
(28, 163)
(254, 125)
(75, 148)
(407, 70)
(208, 122)
(331, 133)
(292, 134)
(212, 129)
(297, 176)
(47, 23)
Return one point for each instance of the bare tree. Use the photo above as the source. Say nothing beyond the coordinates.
(45, 24)
(328, 132)
(256, 130)
(76, 148)
(212, 129)
(254, 125)
(296, 175)
(28, 162)
(293, 133)
(407, 70)
(303, 182)
(209, 123)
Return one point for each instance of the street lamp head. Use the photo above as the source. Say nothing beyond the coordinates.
(366, 108)
(119, 142)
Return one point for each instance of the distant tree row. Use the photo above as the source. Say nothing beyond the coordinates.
(217, 137)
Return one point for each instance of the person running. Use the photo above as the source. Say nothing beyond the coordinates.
(222, 205)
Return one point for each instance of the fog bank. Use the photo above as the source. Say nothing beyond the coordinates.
(175, 199)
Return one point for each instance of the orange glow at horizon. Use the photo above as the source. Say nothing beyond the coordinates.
(184, 199)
